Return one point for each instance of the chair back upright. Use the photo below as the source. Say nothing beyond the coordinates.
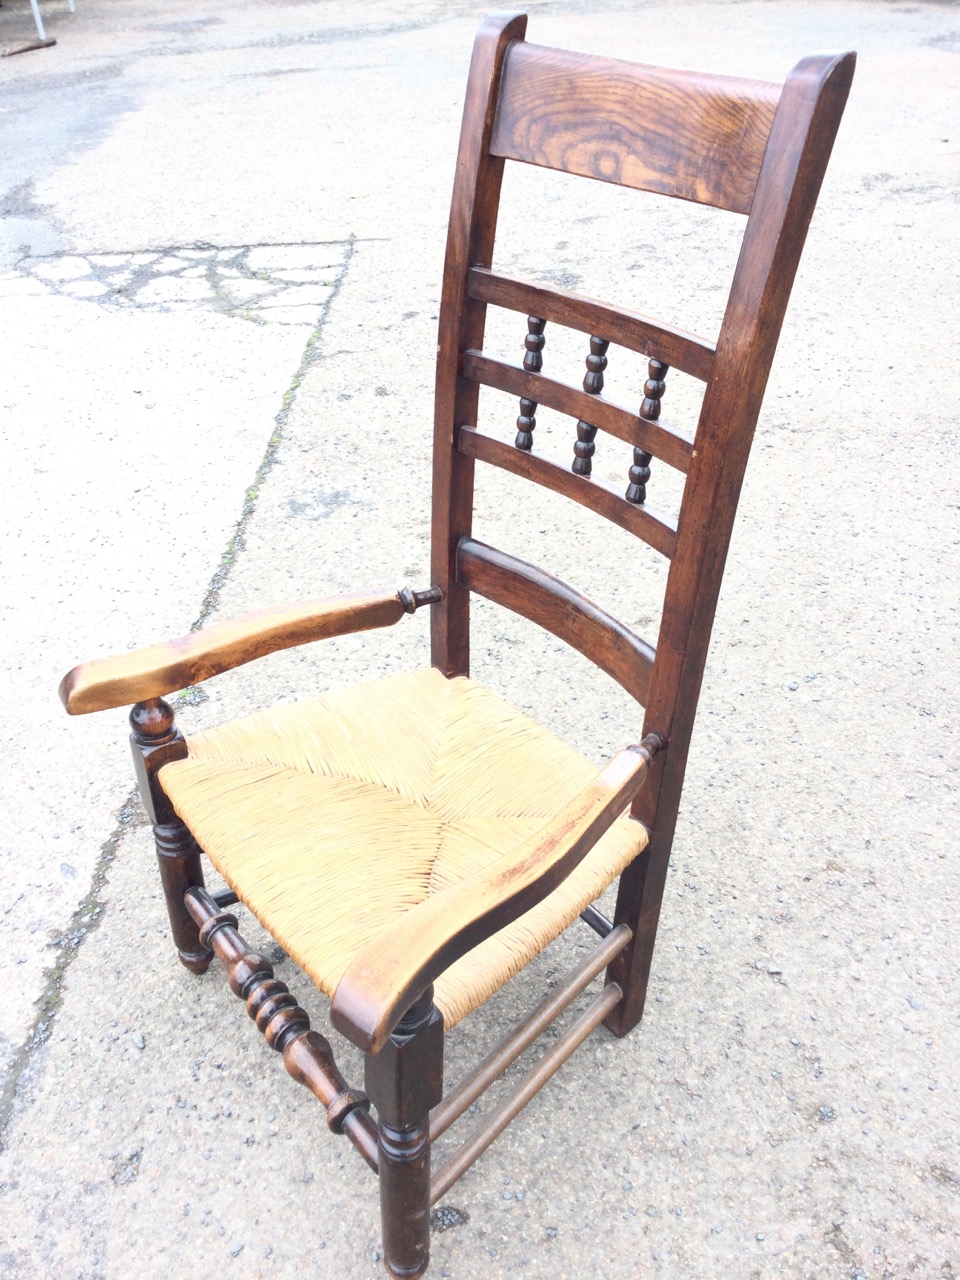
(753, 148)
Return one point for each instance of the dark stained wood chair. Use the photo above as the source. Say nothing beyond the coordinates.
(412, 843)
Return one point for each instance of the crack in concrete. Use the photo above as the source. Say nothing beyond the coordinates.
(89, 913)
(237, 541)
(86, 919)
(262, 283)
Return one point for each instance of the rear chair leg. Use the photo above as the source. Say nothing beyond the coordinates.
(404, 1081)
(156, 741)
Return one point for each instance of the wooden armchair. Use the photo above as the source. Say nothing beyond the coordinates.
(413, 842)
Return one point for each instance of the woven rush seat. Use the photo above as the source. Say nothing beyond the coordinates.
(331, 818)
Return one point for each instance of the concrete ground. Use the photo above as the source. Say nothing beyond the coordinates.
(219, 263)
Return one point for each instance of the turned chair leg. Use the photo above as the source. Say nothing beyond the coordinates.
(178, 857)
(404, 1081)
(156, 741)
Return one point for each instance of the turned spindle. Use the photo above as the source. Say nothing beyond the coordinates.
(307, 1055)
(585, 448)
(653, 390)
(533, 363)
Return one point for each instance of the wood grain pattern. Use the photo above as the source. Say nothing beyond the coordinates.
(666, 442)
(658, 531)
(385, 979)
(677, 133)
(164, 668)
(557, 607)
(676, 347)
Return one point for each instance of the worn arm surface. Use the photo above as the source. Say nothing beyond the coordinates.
(387, 977)
(164, 668)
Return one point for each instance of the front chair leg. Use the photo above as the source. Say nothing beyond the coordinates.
(178, 857)
(404, 1081)
(156, 741)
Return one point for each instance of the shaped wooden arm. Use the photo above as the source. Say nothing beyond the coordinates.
(164, 668)
(385, 979)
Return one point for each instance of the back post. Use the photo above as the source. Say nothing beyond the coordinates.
(473, 223)
(799, 146)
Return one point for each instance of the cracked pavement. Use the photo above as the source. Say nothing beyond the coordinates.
(266, 284)
(220, 258)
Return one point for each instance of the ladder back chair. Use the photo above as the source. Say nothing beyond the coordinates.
(413, 842)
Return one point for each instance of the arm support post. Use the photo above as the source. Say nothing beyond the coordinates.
(405, 1081)
(155, 740)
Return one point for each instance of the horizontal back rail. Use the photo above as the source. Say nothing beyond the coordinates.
(544, 599)
(677, 133)
(675, 347)
(664, 441)
(656, 530)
